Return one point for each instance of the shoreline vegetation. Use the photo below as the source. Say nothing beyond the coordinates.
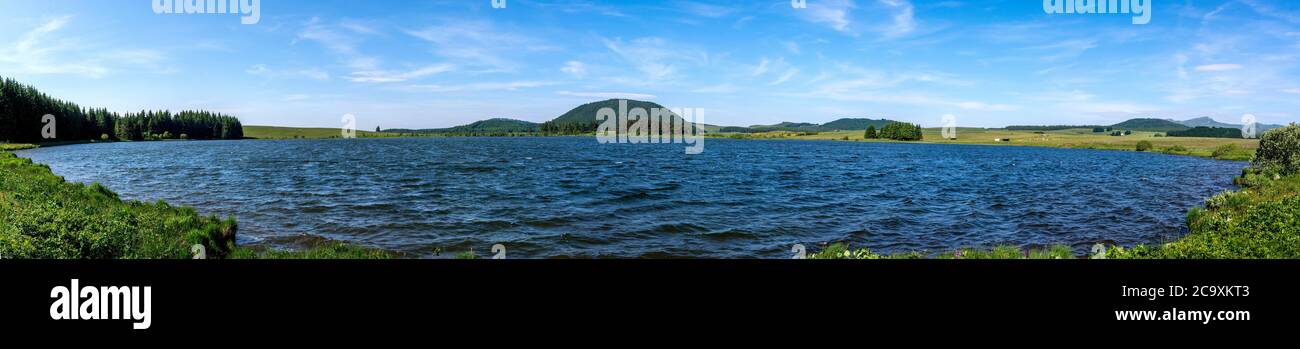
(47, 217)
(42, 216)
(1237, 149)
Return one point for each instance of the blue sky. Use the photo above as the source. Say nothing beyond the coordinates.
(419, 64)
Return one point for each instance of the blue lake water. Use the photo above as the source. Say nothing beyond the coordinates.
(573, 197)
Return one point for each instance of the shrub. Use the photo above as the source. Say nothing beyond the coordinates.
(103, 137)
(1144, 146)
(1223, 150)
(1279, 151)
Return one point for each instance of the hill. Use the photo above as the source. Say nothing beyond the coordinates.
(1208, 122)
(586, 113)
(498, 125)
(845, 124)
(583, 118)
(1150, 125)
(854, 124)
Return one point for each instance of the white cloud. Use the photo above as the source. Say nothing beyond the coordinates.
(655, 59)
(904, 20)
(789, 74)
(43, 51)
(706, 10)
(1291, 90)
(792, 46)
(609, 95)
(575, 68)
(479, 44)
(378, 76)
(761, 68)
(310, 73)
(832, 13)
(481, 86)
(720, 88)
(1217, 67)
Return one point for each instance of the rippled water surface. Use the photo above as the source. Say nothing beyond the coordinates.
(572, 197)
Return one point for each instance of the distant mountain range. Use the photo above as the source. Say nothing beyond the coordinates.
(1151, 125)
(584, 116)
(1206, 121)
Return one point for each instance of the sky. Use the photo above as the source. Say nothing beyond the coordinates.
(426, 64)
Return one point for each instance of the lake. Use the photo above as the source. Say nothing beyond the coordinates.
(572, 197)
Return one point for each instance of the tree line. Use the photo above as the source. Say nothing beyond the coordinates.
(23, 107)
(569, 128)
(1212, 132)
(899, 131)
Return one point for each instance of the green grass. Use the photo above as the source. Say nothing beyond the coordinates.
(276, 132)
(1260, 221)
(44, 217)
(18, 146)
(1242, 149)
(844, 251)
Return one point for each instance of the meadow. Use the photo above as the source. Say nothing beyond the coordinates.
(1218, 148)
(277, 132)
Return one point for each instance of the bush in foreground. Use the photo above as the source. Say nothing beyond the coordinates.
(1279, 151)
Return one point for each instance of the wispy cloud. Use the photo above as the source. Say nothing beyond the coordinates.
(376, 76)
(41, 51)
(575, 68)
(479, 44)
(904, 20)
(609, 95)
(1217, 67)
(705, 9)
(480, 86)
(832, 13)
(310, 73)
(655, 59)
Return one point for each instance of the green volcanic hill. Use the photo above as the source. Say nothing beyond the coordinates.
(1150, 125)
(586, 113)
(1208, 122)
(846, 124)
(497, 125)
(854, 124)
(583, 118)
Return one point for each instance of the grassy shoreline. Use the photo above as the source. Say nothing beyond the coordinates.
(42, 216)
(47, 217)
(1213, 148)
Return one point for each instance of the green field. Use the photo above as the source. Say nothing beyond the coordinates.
(1232, 149)
(278, 132)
